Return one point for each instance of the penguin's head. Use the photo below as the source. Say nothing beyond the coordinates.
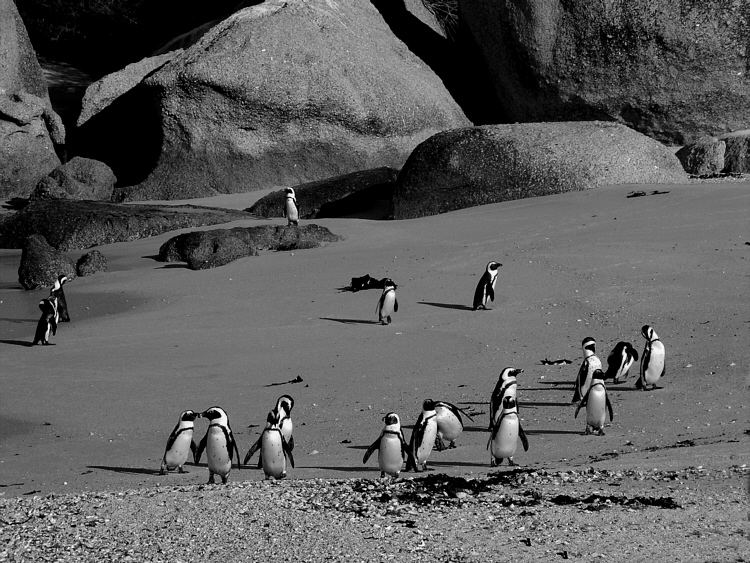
(510, 373)
(509, 402)
(493, 265)
(62, 278)
(589, 345)
(428, 405)
(392, 419)
(388, 283)
(189, 416)
(290, 192)
(649, 333)
(285, 402)
(272, 419)
(215, 414)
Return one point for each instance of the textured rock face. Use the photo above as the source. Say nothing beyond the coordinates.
(480, 165)
(91, 263)
(737, 155)
(79, 178)
(41, 264)
(347, 194)
(280, 93)
(26, 149)
(673, 69)
(19, 67)
(209, 249)
(705, 157)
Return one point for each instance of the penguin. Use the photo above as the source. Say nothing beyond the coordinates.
(283, 409)
(619, 361)
(47, 322)
(505, 434)
(597, 404)
(62, 304)
(391, 446)
(449, 424)
(505, 387)
(653, 366)
(180, 442)
(219, 445)
(422, 437)
(274, 449)
(388, 303)
(290, 208)
(486, 287)
(590, 363)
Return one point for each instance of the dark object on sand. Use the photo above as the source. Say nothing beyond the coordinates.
(367, 282)
(561, 362)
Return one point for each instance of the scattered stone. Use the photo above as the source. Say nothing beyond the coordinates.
(704, 157)
(79, 178)
(41, 264)
(90, 263)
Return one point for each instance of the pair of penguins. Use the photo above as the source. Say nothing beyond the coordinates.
(440, 420)
(275, 443)
(590, 391)
(484, 292)
(54, 310)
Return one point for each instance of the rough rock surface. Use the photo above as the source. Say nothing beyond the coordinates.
(26, 149)
(480, 165)
(79, 178)
(672, 70)
(705, 157)
(72, 224)
(280, 93)
(41, 264)
(91, 263)
(19, 67)
(737, 154)
(209, 249)
(340, 196)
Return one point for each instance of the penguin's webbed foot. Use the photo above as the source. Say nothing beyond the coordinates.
(439, 444)
(511, 462)
(588, 430)
(163, 471)
(224, 479)
(600, 432)
(181, 470)
(494, 462)
(452, 446)
(211, 479)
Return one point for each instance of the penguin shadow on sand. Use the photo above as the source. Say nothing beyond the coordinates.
(351, 321)
(21, 343)
(131, 470)
(456, 306)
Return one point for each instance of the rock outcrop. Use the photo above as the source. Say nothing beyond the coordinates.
(19, 67)
(209, 249)
(704, 157)
(675, 71)
(280, 93)
(41, 264)
(71, 224)
(364, 192)
(79, 178)
(480, 165)
(737, 154)
(91, 263)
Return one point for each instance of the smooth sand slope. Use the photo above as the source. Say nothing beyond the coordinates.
(149, 340)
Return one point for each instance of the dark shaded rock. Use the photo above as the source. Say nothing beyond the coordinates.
(41, 264)
(675, 71)
(737, 154)
(91, 263)
(345, 195)
(19, 67)
(72, 224)
(79, 178)
(26, 150)
(492, 163)
(705, 157)
(281, 93)
(209, 249)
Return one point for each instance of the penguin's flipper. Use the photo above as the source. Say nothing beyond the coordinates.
(374, 446)
(490, 292)
(199, 452)
(395, 306)
(609, 408)
(254, 448)
(583, 403)
(478, 294)
(172, 438)
(524, 439)
(404, 446)
(580, 377)
(634, 352)
(645, 360)
(456, 411)
(236, 450)
(193, 448)
(287, 450)
(495, 428)
(53, 324)
(291, 443)
(379, 306)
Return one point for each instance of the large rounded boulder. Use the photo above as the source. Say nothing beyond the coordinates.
(19, 67)
(480, 165)
(280, 93)
(675, 70)
(41, 264)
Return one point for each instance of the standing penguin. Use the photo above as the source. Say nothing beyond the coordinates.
(422, 437)
(449, 424)
(62, 304)
(619, 361)
(505, 387)
(391, 446)
(219, 445)
(290, 208)
(653, 364)
(597, 404)
(274, 449)
(590, 363)
(180, 442)
(282, 410)
(47, 322)
(505, 433)
(486, 287)
(388, 303)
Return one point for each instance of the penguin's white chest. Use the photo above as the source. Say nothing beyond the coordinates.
(287, 428)
(217, 452)
(390, 458)
(388, 303)
(596, 407)
(593, 364)
(178, 453)
(652, 372)
(448, 424)
(272, 453)
(424, 449)
(505, 442)
(625, 365)
(291, 210)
